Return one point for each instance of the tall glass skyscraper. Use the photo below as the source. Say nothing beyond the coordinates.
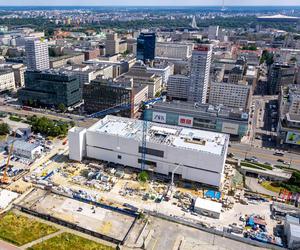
(146, 47)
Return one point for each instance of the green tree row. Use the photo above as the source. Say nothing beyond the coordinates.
(48, 127)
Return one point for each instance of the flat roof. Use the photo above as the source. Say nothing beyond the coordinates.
(294, 230)
(174, 136)
(200, 110)
(19, 144)
(208, 205)
(6, 197)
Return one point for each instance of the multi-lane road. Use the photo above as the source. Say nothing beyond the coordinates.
(241, 151)
(79, 120)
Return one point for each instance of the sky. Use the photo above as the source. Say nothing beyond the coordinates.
(151, 2)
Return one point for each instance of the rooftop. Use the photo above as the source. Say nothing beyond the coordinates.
(200, 110)
(19, 144)
(174, 136)
(208, 205)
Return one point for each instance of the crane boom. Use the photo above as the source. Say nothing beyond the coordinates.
(5, 179)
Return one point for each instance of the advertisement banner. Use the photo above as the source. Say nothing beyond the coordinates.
(159, 117)
(293, 138)
(230, 128)
(186, 121)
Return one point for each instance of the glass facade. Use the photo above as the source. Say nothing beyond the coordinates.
(46, 89)
(99, 96)
(146, 47)
(208, 123)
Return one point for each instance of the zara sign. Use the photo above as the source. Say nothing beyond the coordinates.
(159, 117)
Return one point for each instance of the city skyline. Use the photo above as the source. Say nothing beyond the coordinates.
(153, 3)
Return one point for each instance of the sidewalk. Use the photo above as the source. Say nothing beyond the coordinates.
(7, 246)
(47, 237)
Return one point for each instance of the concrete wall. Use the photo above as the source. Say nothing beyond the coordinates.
(77, 143)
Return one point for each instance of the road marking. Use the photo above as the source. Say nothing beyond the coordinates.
(155, 243)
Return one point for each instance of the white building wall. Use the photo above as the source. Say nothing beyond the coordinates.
(77, 143)
(37, 54)
(197, 166)
(7, 81)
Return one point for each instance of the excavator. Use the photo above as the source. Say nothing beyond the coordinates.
(5, 179)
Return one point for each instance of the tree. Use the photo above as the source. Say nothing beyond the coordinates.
(267, 57)
(61, 107)
(48, 127)
(143, 176)
(4, 129)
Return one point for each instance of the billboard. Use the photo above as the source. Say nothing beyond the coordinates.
(159, 117)
(186, 121)
(293, 138)
(230, 128)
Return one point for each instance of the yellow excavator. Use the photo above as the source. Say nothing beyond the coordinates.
(5, 179)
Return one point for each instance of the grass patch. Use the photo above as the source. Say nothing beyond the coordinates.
(256, 165)
(287, 168)
(250, 165)
(19, 230)
(3, 137)
(15, 118)
(269, 186)
(68, 241)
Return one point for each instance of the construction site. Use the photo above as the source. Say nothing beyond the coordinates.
(105, 222)
(191, 154)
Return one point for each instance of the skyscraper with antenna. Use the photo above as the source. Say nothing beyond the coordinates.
(223, 6)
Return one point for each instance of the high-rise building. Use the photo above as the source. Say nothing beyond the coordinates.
(280, 75)
(213, 32)
(146, 47)
(200, 68)
(194, 23)
(37, 54)
(112, 44)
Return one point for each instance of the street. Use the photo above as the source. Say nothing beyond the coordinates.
(78, 120)
(241, 151)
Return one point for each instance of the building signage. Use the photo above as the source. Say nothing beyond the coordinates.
(159, 117)
(293, 138)
(230, 128)
(186, 121)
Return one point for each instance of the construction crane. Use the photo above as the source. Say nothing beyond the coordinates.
(121, 107)
(5, 179)
(144, 144)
